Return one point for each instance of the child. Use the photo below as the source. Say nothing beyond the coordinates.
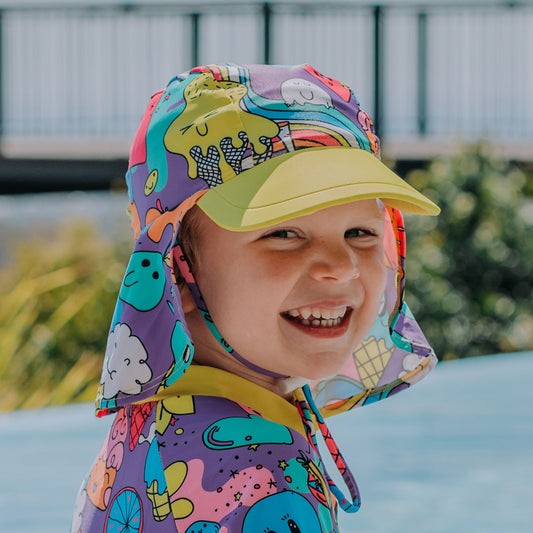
(265, 292)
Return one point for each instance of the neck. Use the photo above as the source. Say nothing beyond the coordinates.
(208, 352)
(207, 355)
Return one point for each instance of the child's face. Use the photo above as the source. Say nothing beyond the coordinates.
(260, 287)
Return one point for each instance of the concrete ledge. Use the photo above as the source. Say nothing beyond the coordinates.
(118, 148)
(65, 148)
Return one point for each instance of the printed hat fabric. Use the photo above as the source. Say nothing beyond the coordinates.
(219, 126)
(298, 183)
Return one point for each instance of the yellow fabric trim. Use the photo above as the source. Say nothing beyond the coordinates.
(209, 381)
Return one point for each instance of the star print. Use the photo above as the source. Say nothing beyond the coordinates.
(283, 464)
(233, 473)
(253, 447)
(272, 483)
(237, 496)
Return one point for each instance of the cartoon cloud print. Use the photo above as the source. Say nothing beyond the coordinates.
(409, 363)
(284, 512)
(126, 366)
(301, 92)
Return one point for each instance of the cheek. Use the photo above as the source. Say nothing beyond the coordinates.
(230, 292)
(274, 266)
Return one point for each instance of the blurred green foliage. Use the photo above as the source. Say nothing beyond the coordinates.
(58, 297)
(469, 270)
(469, 282)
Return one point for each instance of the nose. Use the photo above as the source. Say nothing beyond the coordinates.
(334, 262)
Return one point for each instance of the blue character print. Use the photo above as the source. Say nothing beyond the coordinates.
(234, 432)
(182, 349)
(144, 282)
(284, 512)
(153, 469)
(172, 98)
(296, 475)
(304, 476)
(203, 527)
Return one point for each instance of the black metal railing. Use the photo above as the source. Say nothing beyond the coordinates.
(424, 71)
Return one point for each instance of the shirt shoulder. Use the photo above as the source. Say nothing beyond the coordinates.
(240, 470)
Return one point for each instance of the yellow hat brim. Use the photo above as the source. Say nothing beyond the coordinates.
(302, 182)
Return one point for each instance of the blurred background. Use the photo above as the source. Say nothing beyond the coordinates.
(449, 85)
(450, 88)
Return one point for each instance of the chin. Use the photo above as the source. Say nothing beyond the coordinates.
(325, 371)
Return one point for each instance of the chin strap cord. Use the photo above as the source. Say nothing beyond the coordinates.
(305, 408)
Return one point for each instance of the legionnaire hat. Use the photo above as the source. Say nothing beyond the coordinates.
(311, 147)
(269, 142)
(252, 146)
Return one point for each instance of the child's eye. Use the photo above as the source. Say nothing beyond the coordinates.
(281, 234)
(353, 233)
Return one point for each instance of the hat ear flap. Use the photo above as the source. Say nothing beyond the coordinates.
(397, 250)
(395, 354)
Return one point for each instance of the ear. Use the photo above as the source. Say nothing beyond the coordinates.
(187, 301)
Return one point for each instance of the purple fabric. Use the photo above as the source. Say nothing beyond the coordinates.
(201, 463)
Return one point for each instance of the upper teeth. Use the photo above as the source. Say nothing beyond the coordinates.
(327, 314)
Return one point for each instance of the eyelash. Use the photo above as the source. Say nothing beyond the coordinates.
(280, 234)
(360, 233)
(284, 233)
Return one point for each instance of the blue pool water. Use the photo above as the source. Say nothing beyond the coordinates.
(453, 454)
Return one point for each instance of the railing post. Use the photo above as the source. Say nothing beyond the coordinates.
(422, 73)
(195, 39)
(1, 78)
(267, 28)
(378, 68)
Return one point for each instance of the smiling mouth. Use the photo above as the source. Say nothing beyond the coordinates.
(318, 318)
